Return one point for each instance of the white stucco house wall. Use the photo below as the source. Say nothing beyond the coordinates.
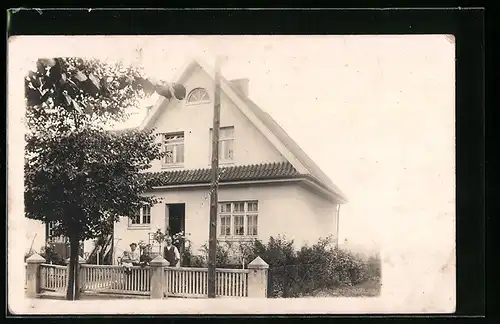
(268, 185)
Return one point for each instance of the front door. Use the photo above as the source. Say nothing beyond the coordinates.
(175, 215)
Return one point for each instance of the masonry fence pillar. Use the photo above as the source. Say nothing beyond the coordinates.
(157, 282)
(257, 278)
(33, 275)
(81, 278)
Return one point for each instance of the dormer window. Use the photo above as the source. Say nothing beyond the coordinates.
(198, 95)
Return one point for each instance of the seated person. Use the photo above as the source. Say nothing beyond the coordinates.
(126, 261)
(130, 258)
(146, 257)
(134, 254)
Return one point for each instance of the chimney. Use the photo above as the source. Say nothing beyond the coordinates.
(241, 85)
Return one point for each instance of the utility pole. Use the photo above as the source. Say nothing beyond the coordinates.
(212, 241)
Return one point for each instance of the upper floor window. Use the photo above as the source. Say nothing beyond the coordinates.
(142, 217)
(173, 144)
(198, 95)
(238, 219)
(226, 144)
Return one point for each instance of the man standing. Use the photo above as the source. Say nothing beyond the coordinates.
(172, 254)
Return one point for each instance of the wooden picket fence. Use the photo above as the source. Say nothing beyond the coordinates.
(178, 282)
(115, 279)
(192, 282)
(53, 277)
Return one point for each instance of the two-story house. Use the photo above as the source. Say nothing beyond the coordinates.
(267, 186)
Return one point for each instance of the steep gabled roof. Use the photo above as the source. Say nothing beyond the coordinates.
(288, 141)
(297, 158)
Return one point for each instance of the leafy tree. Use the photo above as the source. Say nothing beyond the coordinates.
(77, 174)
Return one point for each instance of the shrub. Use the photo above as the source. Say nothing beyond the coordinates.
(312, 267)
(188, 259)
(296, 272)
(225, 257)
(277, 252)
(51, 256)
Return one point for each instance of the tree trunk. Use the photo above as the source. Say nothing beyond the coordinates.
(76, 253)
(71, 276)
(72, 293)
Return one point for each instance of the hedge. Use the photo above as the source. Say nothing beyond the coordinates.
(294, 272)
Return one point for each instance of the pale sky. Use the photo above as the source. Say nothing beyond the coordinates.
(376, 113)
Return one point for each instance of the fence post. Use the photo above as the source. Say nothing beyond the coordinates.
(81, 277)
(257, 278)
(33, 273)
(157, 282)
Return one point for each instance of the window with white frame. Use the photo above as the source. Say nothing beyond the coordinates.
(226, 144)
(173, 144)
(142, 217)
(238, 219)
(198, 95)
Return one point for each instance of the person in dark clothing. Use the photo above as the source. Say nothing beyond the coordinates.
(172, 254)
(146, 258)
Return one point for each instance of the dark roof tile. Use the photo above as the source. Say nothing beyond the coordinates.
(266, 171)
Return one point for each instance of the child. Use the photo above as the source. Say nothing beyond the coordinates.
(146, 256)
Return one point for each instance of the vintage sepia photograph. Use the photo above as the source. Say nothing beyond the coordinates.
(303, 173)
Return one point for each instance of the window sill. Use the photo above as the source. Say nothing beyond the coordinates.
(172, 166)
(196, 103)
(139, 227)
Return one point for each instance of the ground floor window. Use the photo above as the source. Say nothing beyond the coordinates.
(238, 219)
(142, 217)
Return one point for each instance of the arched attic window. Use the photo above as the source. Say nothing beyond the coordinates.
(198, 95)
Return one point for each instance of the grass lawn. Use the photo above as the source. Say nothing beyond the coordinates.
(370, 288)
